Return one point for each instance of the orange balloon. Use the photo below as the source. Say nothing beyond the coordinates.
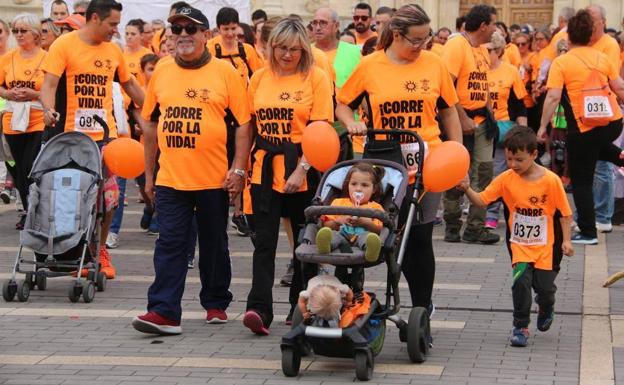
(125, 157)
(320, 145)
(445, 166)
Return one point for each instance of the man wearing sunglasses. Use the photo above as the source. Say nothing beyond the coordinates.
(188, 104)
(362, 18)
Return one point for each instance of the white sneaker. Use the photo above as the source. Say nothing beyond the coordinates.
(545, 159)
(604, 227)
(112, 241)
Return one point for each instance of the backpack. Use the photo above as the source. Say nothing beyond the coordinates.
(596, 100)
(241, 53)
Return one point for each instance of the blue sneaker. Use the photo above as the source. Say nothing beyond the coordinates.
(146, 219)
(153, 227)
(519, 337)
(545, 319)
(581, 239)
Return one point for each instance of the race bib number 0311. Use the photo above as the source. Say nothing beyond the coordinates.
(84, 119)
(410, 156)
(529, 231)
(597, 107)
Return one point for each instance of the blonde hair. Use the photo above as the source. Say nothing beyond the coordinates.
(288, 31)
(32, 21)
(498, 40)
(407, 16)
(325, 302)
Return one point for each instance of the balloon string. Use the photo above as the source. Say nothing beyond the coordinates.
(422, 196)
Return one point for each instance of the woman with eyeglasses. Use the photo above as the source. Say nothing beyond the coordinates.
(402, 73)
(20, 82)
(49, 33)
(285, 96)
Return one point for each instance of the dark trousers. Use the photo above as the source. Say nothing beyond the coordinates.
(267, 226)
(176, 210)
(419, 264)
(526, 276)
(584, 149)
(24, 148)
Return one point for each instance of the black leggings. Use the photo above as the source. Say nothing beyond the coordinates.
(584, 150)
(24, 148)
(419, 264)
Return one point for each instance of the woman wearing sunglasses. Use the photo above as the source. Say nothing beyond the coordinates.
(49, 33)
(523, 42)
(20, 83)
(284, 96)
(406, 87)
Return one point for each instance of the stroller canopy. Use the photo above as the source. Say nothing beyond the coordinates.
(65, 149)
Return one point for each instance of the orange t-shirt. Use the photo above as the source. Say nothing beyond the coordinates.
(531, 206)
(322, 61)
(538, 61)
(190, 106)
(502, 80)
(16, 71)
(90, 72)
(134, 63)
(469, 66)
(512, 55)
(252, 57)
(437, 48)
(401, 96)
(346, 202)
(283, 106)
(552, 46)
(360, 40)
(570, 72)
(526, 75)
(610, 47)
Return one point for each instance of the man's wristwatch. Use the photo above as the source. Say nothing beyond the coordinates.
(240, 172)
(304, 165)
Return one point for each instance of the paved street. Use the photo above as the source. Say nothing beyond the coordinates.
(49, 340)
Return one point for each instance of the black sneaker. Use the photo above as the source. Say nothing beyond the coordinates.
(287, 278)
(452, 236)
(545, 319)
(146, 219)
(484, 237)
(239, 223)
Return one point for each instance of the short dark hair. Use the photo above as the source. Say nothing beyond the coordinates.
(580, 28)
(102, 8)
(444, 29)
(502, 25)
(479, 14)
(385, 11)
(149, 58)
(227, 15)
(520, 138)
(459, 22)
(60, 2)
(366, 7)
(138, 23)
(515, 27)
(178, 4)
(259, 14)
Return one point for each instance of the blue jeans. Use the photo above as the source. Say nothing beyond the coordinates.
(118, 216)
(500, 165)
(604, 194)
(176, 211)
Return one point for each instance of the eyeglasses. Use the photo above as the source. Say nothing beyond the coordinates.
(22, 31)
(44, 30)
(358, 18)
(522, 43)
(319, 23)
(418, 43)
(282, 50)
(240, 36)
(190, 29)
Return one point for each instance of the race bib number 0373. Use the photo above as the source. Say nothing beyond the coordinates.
(529, 231)
(84, 119)
(597, 107)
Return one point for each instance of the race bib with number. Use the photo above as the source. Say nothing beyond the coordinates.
(84, 120)
(410, 156)
(529, 231)
(597, 107)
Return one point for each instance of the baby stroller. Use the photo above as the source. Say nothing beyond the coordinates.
(63, 221)
(364, 339)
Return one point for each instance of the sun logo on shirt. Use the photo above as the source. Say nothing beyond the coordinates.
(284, 96)
(27, 72)
(191, 93)
(410, 86)
(98, 63)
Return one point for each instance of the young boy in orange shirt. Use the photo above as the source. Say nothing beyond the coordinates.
(538, 218)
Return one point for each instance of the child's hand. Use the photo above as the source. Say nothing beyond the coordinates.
(464, 184)
(307, 315)
(567, 248)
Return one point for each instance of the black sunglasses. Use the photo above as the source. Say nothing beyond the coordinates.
(22, 31)
(191, 29)
(358, 18)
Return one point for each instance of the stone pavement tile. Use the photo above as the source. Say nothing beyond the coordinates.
(21, 381)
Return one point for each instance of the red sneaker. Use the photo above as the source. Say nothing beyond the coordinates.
(253, 321)
(154, 323)
(216, 316)
(105, 262)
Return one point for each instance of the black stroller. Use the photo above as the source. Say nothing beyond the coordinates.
(63, 220)
(364, 339)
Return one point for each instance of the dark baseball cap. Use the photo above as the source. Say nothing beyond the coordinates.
(192, 14)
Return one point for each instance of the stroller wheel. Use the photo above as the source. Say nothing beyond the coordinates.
(30, 280)
(23, 291)
(75, 290)
(363, 366)
(101, 281)
(417, 332)
(9, 289)
(41, 280)
(91, 275)
(291, 361)
(88, 291)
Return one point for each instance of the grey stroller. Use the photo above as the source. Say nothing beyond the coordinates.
(62, 222)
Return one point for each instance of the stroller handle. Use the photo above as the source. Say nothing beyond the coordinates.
(102, 123)
(317, 211)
